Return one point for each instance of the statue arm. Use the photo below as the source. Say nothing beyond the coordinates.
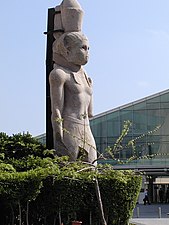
(90, 108)
(56, 80)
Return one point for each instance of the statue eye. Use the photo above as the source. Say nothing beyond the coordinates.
(85, 47)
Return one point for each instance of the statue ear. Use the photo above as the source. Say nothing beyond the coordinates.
(68, 50)
(66, 41)
(67, 45)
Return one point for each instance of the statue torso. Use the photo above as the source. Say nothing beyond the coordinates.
(77, 89)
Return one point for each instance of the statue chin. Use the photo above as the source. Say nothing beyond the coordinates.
(85, 61)
(79, 62)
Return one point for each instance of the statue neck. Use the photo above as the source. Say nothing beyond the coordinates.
(60, 60)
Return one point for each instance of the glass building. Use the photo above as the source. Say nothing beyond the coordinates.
(149, 131)
(42, 138)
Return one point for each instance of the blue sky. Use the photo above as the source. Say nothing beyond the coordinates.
(129, 56)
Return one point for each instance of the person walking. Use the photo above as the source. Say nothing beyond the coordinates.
(161, 195)
(167, 196)
(146, 197)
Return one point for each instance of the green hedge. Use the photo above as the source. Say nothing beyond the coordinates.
(54, 188)
(67, 190)
(75, 198)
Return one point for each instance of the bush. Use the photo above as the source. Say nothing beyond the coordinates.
(74, 197)
(48, 189)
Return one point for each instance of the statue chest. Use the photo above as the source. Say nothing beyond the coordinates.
(78, 84)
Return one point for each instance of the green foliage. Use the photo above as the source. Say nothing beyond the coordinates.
(55, 187)
(120, 145)
(75, 192)
(20, 146)
(6, 168)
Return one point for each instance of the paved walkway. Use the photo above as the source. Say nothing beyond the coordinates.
(155, 214)
(151, 221)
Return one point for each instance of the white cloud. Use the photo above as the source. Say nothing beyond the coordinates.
(159, 33)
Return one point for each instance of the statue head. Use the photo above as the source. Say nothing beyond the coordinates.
(73, 46)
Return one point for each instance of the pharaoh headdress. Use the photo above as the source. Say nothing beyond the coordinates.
(68, 18)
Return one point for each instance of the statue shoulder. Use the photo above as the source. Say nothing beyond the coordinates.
(57, 74)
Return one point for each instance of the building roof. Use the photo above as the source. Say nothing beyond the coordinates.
(131, 104)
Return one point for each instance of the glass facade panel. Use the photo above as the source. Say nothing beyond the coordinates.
(113, 128)
(155, 99)
(164, 105)
(164, 97)
(150, 130)
(139, 106)
(126, 115)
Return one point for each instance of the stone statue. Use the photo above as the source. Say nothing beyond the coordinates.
(71, 89)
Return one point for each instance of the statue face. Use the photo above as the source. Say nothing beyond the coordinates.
(78, 53)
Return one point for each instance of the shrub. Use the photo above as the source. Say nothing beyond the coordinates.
(73, 196)
(50, 190)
